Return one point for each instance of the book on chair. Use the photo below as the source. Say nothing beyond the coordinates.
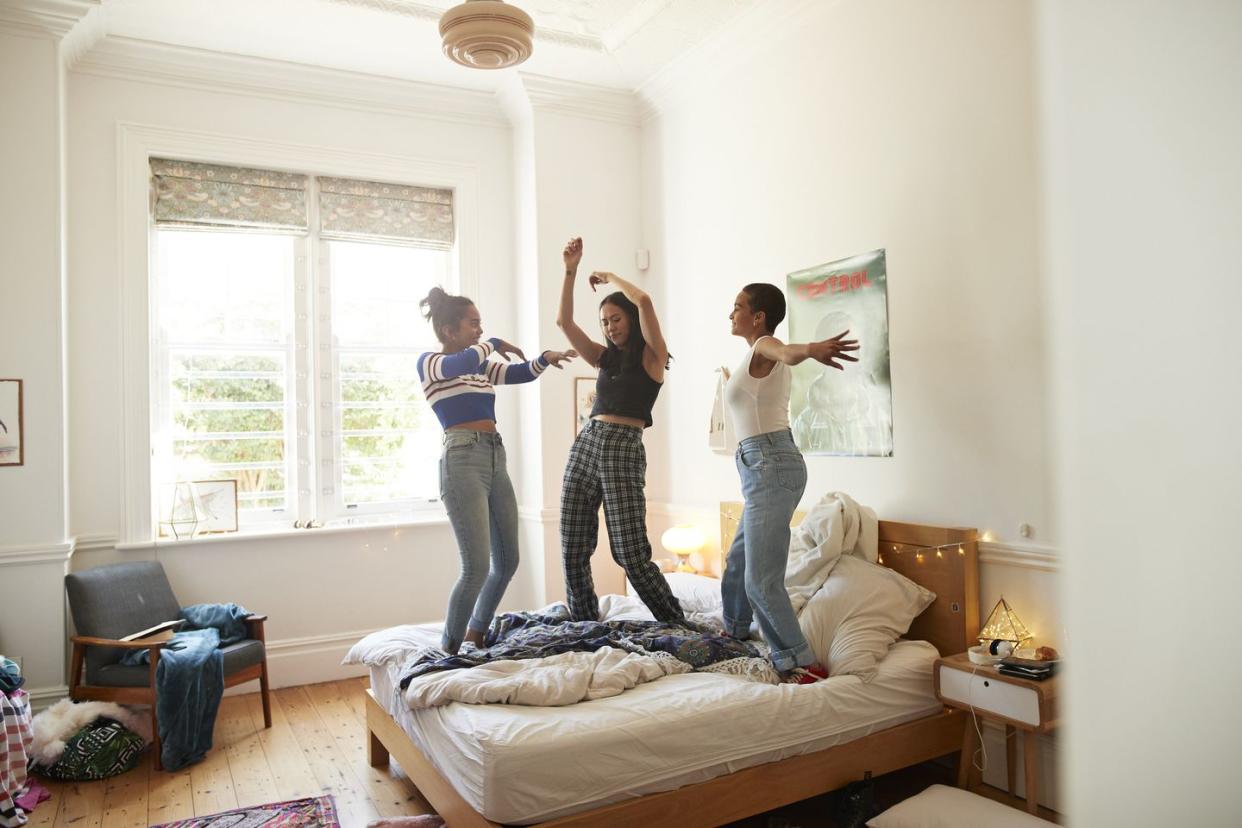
(156, 630)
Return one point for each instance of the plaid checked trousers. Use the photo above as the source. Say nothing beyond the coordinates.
(608, 463)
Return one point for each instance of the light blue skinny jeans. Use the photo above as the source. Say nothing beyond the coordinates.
(477, 492)
(753, 586)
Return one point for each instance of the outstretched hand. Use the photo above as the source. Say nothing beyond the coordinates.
(557, 358)
(600, 277)
(505, 350)
(572, 253)
(828, 351)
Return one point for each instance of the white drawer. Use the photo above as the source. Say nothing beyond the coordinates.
(986, 693)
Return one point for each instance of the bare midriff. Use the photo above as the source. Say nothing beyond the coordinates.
(615, 420)
(474, 425)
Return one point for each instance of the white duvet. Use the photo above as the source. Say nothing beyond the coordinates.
(566, 678)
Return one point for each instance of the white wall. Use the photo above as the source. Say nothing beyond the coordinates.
(1144, 203)
(858, 125)
(318, 588)
(33, 517)
(32, 496)
(832, 130)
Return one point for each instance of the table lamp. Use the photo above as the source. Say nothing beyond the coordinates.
(683, 541)
(1003, 627)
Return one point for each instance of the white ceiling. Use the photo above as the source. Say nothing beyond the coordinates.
(616, 43)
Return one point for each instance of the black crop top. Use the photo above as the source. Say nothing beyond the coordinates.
(631, 392)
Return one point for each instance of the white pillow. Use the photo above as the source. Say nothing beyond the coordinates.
(695, 593)
(943, 807)
(857, 615)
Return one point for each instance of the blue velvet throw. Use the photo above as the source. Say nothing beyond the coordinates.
(189, 680)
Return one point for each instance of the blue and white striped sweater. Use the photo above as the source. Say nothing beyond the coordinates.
(459, 386)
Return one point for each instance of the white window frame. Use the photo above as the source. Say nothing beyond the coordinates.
(294, 411)
(137, 144)
(330, 468)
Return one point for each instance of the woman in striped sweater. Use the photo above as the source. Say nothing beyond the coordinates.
(474, 484)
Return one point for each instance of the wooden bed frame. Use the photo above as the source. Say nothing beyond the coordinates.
(950, 624)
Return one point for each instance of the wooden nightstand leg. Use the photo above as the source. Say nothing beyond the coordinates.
(965, 762)
(1011, 758)
(1030, 747)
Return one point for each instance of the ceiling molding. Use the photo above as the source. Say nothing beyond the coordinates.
(48, 18)
(734, 43)
(189, 68)
(585, 100)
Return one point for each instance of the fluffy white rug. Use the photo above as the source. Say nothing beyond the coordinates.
(63, 719)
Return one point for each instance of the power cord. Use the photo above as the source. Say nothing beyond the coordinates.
(982, 750)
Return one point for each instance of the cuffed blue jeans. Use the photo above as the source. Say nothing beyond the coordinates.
(478, 495)
(753, 586)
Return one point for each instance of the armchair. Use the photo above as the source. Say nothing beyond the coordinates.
(111, 602)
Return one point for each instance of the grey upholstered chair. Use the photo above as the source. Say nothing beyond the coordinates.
(111, 602)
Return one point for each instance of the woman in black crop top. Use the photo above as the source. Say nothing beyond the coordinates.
(607, 462)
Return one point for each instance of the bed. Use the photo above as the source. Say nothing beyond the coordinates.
(694, 749)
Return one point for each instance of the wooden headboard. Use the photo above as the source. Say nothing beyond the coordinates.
(951, 623)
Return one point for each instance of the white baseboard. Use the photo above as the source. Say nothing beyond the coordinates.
(312, 659)
(42, 698)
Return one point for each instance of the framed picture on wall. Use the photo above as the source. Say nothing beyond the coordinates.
(11, 452)
(584, 401)
(218, 501)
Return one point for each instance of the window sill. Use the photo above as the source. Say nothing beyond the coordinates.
(430, 519)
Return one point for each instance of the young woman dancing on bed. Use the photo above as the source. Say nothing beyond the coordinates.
(474, 483)
(607, 461)
(773, 477)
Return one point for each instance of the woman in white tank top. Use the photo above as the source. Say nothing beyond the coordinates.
(773, 478)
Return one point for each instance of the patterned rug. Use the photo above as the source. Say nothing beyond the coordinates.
(312, 812)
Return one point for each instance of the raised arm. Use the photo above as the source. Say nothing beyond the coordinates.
(826, 351)
(648, 322)
(590, 350)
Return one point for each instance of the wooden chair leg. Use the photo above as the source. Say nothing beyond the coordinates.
(264, 691)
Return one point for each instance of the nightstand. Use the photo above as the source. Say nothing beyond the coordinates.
(1018, 704)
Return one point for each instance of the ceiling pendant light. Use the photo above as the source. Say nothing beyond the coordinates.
(486, 34)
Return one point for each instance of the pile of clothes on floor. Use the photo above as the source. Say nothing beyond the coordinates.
(18, 793)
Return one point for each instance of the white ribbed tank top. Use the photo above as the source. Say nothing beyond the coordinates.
(756, 405)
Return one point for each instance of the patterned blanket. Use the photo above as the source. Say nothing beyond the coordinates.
(516, 636)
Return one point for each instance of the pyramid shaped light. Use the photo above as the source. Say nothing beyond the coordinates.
(487, 34)
(1003, 624)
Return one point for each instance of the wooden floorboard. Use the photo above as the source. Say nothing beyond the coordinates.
(316, 746)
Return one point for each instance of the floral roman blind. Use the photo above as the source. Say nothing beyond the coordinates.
(189, 193)
(367, 209)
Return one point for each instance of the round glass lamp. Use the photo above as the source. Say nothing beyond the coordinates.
(683, 541)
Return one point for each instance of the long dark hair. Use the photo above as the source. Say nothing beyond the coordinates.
(444, 310)
(768, 299)
(615, 359)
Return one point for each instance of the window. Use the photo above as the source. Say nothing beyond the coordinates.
(286, 331)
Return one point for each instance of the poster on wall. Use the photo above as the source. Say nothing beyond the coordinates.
(846, 413)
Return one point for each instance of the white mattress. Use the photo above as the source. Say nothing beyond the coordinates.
(518, 764)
